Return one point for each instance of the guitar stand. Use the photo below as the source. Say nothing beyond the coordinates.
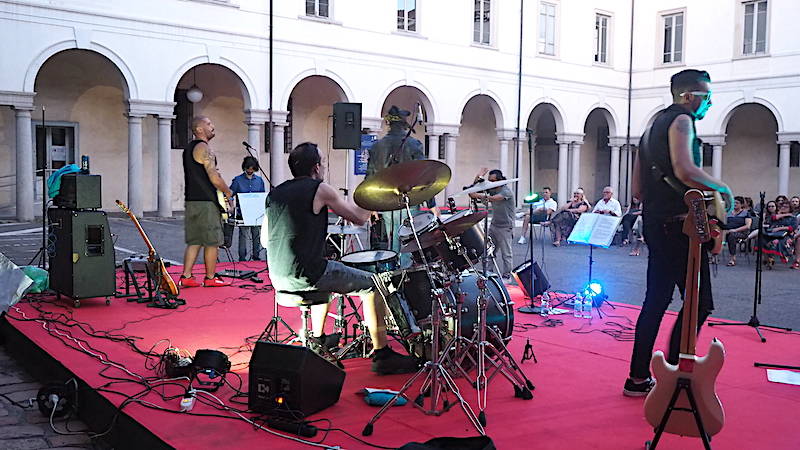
(683, 384)
(131, 280)
(165, 300)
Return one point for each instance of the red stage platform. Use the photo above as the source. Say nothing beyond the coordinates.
(577, 403)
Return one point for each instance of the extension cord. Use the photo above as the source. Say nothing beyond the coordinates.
(187, 401)
(298, 428)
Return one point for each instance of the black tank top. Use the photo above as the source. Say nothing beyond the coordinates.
(198, 186)
(662, 201)
(296, 239)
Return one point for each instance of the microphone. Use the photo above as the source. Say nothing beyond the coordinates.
(420, 117)
(247, 145)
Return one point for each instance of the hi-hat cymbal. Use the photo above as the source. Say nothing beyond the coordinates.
(485, 186)
(420, 180)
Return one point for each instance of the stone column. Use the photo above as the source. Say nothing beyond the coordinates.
(716, 161)
(254, 139)
(783, 167)
(276, 158)
(576, 165)
(135, 181)
(433, 146)
(504, 157)
(614, 170)
(563, 163)
(24, 165)
(450, 160)
(164, 166)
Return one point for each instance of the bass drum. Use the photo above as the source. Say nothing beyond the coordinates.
(499, 311)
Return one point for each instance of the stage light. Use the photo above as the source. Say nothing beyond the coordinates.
(595, 288)
(595, 292)
(209, 368)
(531, 198)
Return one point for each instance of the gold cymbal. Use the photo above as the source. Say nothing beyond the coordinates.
(420, 180)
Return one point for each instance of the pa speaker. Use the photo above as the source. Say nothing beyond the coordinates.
(523, 276)
(291, 380)
(347, 125)
(79, 191)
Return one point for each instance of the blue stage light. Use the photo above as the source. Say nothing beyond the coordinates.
(595, 288)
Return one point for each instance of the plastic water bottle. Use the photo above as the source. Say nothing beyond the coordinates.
(545, 305)
(587, 307)
(578, 305)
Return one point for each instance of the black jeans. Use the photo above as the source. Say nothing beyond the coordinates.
(666, 268)
(627, 225)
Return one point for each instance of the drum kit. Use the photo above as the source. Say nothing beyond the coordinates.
(446, 310)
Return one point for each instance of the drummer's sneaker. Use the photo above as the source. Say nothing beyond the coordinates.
(216, 282)
(386, 361)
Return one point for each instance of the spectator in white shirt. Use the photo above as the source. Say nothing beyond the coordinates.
(608, 204)
(542, 210)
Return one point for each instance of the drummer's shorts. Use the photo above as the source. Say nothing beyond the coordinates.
(344, 279)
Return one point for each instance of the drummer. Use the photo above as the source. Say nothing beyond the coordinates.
(297, 220)
(501, 229)
(386, 152)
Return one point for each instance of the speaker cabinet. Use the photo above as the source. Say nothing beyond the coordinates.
(286, 379)
(523, 276)
(81, 253)
(347, 125)
(79, 191)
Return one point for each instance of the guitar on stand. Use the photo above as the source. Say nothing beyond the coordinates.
(166, 292)
(683, 401)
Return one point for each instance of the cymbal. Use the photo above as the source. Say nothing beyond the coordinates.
(419, 179)
(460, 223)
(485, 186)
(345, 229)
(428, 239)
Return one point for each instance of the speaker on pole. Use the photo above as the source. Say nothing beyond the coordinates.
(347, 125)
(523, 276)
(291, 380)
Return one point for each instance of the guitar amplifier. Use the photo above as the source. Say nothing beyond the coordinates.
(79, 191)
(81, 253)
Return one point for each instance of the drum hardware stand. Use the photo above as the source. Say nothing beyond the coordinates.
(340, 323)
(270, 333)
(500, 358)
(433, 370)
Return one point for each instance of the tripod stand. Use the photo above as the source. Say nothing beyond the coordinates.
(434, 371)
(754, 322)
(42, 252)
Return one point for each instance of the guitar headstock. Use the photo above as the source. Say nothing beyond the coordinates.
(696, 224)
(123, 207)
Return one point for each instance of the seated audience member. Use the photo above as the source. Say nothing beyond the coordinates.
(778, 235)
(794, 205)
(542, 210)
(638, 235)
(608, 205)
(566, 217)
(737, 228)
(629, 219)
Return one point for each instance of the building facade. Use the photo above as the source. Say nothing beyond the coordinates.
(113, 80)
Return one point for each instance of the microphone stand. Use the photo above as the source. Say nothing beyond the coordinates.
(754, 322)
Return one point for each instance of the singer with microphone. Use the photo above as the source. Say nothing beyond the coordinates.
(248, 181)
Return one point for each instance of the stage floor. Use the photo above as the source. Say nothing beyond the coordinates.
(578, 401)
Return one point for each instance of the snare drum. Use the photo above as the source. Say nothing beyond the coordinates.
(374, 261)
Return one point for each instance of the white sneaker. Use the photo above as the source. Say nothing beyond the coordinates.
(521, 240)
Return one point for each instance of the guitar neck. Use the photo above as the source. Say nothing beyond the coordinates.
(150, 249)
(691, 299)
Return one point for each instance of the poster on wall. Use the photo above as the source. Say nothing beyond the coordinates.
(362, 154)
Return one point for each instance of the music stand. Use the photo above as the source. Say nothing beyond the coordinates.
(595, 230)
(252, 206)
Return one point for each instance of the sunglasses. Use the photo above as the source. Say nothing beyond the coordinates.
(705, 95)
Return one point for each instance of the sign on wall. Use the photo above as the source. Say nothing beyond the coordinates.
(362, 154)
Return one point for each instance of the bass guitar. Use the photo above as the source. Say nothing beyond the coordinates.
(164, 282)
(684, 397)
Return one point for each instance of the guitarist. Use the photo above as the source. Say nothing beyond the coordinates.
(668, 163)
(203, 219)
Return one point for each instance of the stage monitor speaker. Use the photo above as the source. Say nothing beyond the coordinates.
(347, 125)
(291, 380)
(523, 276)
(79, 191)
(81, 253)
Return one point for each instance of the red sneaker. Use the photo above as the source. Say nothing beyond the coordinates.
(188, 282)
(216, 282)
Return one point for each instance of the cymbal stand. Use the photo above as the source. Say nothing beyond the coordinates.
(494, 351)
(437, 378)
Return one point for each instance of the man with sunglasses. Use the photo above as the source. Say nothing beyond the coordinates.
(669, 162)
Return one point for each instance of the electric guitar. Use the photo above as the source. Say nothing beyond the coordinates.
(224, 207)
(165, 283)
(716, 211)
(700, 371)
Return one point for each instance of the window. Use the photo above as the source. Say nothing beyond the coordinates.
(318, 8)
(59, 142)
(547, 29)
(755, 28)
(673, 38)
(407, 15)
(708, 154)
(482, 27)
(601, 38)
